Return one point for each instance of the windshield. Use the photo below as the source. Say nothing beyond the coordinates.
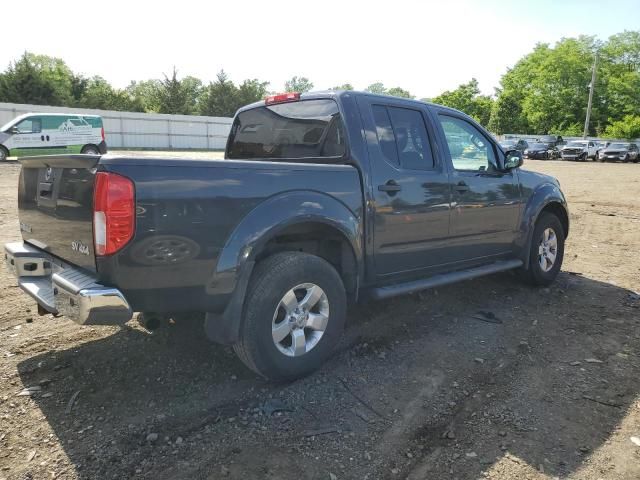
(619, 145)
(537, 145)
(295, 130)
(577, 144)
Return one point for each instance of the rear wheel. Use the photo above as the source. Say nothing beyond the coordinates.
(90, 150)
(547, 251)
(294, 315)
(4, 153)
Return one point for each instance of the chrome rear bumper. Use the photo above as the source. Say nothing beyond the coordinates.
(62, 289)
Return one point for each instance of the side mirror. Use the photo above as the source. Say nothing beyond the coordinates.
(14, 130)
(512, 159)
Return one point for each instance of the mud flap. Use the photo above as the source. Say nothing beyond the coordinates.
(224, 328)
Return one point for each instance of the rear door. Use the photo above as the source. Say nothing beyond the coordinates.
(485, 200)
(410, 187)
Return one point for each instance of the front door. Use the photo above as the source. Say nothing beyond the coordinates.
(485, 199)
(28, 138)
(410, 188)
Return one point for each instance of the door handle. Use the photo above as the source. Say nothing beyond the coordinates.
(462, 187)
(42, 137)
(47, 138)
(390, 187)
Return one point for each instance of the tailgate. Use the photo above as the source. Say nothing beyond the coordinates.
(55, 202)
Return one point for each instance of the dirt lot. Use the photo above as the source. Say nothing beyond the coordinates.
(418, 389)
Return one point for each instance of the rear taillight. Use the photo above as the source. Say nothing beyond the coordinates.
(113, 212)
(282, 98)
(102, 133)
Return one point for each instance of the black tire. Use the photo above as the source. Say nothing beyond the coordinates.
(4, 154)
(535, 275)
(271, 280)
(583, 157)
(626, 159)
(90, 150)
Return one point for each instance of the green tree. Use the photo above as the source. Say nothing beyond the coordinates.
(506, 114)
(220, 97)
(179, 96)
(467, 98)
(377, 87)
(298, 84)
(380, 89)
(628, 128)
(37, 79)
(250, 91)
(344, 86)
(147, 93)
(399, 92)
(98, 93)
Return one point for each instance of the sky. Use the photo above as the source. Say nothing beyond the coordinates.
(425, 47)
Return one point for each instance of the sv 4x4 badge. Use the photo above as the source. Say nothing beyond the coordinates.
(78, 246)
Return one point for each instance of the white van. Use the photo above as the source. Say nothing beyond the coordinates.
(52, 133)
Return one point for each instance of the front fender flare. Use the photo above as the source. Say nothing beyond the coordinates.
(542, 197)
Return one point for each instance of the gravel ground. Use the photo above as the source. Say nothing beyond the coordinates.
(420, 388)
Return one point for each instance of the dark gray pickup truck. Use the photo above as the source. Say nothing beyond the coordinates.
(322, 199)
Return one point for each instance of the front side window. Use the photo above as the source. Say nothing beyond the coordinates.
(30, 125)
(295, 130)
(402, 137)
(469, 149)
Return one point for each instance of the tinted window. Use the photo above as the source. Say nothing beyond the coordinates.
(295, 130)
(384, 130)
(411, 139)
(469, 148)
(402, 136)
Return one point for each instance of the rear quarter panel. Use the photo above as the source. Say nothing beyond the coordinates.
(189, 211)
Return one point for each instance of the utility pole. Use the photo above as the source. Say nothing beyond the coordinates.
(591, 88)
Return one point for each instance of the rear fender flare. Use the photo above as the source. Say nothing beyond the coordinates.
(264, 222)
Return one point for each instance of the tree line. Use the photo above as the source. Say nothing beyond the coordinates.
(545, 92)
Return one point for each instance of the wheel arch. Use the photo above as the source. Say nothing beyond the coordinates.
(546, 198)
(311, 222)
(84, 147)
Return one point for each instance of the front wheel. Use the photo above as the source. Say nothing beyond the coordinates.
(294, 315)
(4, 153)
(547, 251)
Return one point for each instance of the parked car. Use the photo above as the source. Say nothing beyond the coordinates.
(554, 140)
(600, 145)
(541, 151)
(520, 145)
(623, 151)
(579, 150)
(322, 199)
(52, 133)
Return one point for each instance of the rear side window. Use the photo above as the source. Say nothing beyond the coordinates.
(402, 137)
(95, 122)
(295, 130)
